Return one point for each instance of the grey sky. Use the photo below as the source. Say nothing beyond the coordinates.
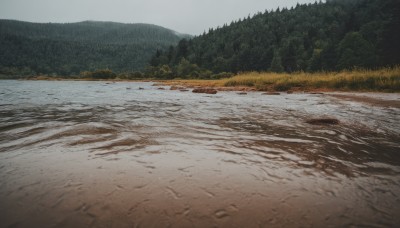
(185, 16)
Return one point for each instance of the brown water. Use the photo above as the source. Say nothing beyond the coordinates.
(96, 154)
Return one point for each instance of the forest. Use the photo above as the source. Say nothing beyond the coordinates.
(324, 36)
(328, 36)
(68, 49)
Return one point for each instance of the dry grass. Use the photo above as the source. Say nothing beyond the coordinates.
(195, 83)
(387, 79)
(384, 80)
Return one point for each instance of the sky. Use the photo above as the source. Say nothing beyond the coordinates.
(184, 16)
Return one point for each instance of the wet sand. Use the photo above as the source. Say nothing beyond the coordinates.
(91, 154)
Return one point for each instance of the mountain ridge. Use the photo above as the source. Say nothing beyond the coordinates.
(69, 48)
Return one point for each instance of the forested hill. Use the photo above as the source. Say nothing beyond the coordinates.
(66, 49)
(324, 36)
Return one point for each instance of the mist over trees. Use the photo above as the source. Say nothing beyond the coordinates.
(68, 49)
(323, 36)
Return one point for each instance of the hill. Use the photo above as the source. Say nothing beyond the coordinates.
(67, 49)
(324, 36)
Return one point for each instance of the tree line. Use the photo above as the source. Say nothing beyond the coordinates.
(68, 49)
(322, 36)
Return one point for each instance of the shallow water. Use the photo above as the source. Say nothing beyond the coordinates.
(97, 154)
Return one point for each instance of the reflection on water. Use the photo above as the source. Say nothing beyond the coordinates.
(79, 154)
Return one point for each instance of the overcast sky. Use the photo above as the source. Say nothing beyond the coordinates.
(185, 16)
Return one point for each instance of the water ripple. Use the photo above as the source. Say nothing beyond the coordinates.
(95, 153)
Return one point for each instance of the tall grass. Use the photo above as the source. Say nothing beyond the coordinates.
(196, 82)
(386, 79)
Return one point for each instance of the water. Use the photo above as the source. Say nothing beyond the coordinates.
(97, 154)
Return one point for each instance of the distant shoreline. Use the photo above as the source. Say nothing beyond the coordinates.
(383, 80)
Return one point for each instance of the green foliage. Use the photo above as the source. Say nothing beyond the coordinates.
(276, 64)
(184, 70)
(99, 74)
(187, 69)
(315, 61)
(221, 75)
(330, 36)
(355, 51)
(68, 49)
(164, 72)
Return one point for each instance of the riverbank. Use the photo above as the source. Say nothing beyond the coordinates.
(383, 80)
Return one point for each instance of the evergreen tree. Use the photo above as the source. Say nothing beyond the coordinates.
(276, 64)
(330, 36)
(355, 51)
(68, 49)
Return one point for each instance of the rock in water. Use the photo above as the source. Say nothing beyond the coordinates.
(271, 93)
(205, 90)
(323, 121)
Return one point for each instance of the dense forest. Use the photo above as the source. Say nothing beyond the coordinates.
(323, 36)
(68, 49)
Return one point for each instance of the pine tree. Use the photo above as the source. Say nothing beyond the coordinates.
(276, 64)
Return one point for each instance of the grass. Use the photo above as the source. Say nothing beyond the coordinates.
(196, 82)
(382, 80)
(386, 80)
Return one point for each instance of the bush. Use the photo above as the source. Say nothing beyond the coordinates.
(222, 75)
(99, 74)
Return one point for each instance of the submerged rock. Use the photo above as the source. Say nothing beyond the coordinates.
(271, 93)
(323, 121)
(177, 88)
(205, 90)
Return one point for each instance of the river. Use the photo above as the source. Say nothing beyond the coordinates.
(102, 154)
